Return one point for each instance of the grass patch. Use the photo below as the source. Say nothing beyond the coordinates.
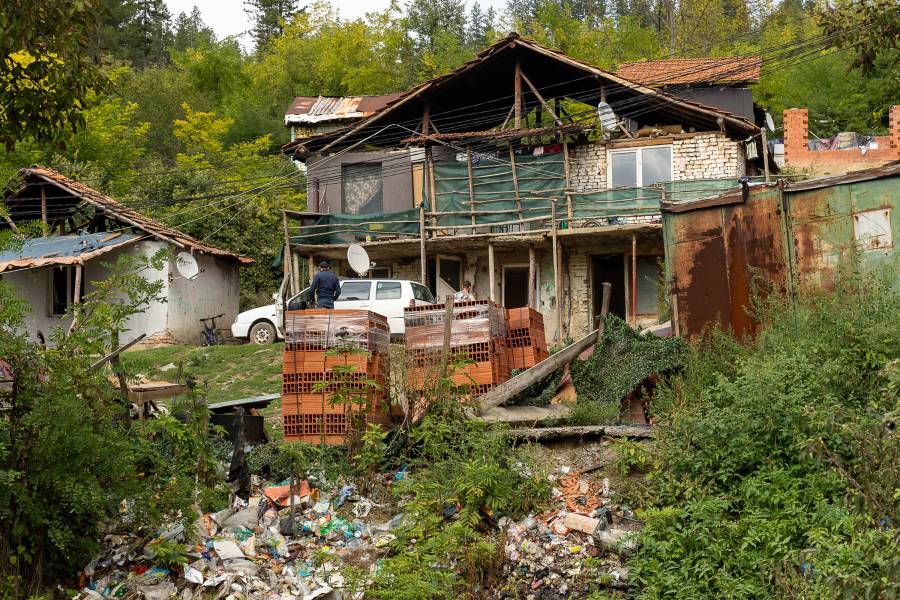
(223, 372)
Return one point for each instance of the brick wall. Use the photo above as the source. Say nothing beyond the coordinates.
(797, 154)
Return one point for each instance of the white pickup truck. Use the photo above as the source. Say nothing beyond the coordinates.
(387, 297)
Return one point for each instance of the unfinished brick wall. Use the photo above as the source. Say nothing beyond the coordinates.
(797, 154)
(587, 167)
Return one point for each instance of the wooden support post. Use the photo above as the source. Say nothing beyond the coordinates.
(471, 186)
(569, 210)
(676, 328)
(557, 271)
(295, 270)
(604, 309)
(492, 275)
(765, 152)
(76, 296)
(288, 270)
(432, 190)
(422, 256)
(44, 205)
(311, 267)
(543, 102)
(517, 101)
(515, 178)
(426, 119)
(625, 271)
(12, 225)
(634, 278)
(448, 329)
(532, 278)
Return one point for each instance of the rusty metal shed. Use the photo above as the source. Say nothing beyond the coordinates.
(787, 235)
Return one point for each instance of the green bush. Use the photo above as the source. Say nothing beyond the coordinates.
(772, 481)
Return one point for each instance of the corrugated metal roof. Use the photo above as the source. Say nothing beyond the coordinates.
(123, 213)
(889, 170)
(63, 249)
(322, 109)
(728, 69)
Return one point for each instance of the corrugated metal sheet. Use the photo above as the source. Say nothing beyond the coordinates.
(322, 109)
(62, 249)
(788, 236)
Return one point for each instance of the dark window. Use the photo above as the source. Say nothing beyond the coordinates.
(62, 290)
(355, 290)
(388, 290)
(362, 188)
(380, 273)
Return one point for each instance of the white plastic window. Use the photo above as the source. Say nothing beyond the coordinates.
(640, 166)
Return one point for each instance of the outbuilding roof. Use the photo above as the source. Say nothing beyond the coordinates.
(63, 249)
(692, 71)
(37, 175)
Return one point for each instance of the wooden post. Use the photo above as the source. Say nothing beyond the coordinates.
(604, 309)
(569, 211)
(625, 271)
(432, 190)
(676, 328)
(532, 278)
(426, 119)
(76, 296)
(288, 270)
(517, 118)
(44, 205)
(515, 178)
(295, 270)
(448, 326)
(311, 264)
(557, 272)
(634, 278)
(492, 276)
(471, 186)
(765, 152)
(422, 256)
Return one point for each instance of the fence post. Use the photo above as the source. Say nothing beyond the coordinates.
(422, 257)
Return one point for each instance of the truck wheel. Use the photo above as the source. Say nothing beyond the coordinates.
(262, 333)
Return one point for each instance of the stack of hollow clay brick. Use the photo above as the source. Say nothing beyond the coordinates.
(312, 349)
(526, 341)
(477, 345)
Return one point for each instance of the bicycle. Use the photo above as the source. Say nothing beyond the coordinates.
(210, 335)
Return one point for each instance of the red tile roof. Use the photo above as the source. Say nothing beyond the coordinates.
(728, 69)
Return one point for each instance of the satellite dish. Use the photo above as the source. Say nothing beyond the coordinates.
(187, 265)
(608, 119)
(358, 259)
(769, 122)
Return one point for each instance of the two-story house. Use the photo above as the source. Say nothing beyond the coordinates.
(532, 174)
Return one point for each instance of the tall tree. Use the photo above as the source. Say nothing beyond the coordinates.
(46, 69)
(149, 33)
(191, 32)
(269, 18)
(481, 23)
(431, 20)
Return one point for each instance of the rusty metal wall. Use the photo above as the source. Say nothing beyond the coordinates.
(788, 236)
(713, 255)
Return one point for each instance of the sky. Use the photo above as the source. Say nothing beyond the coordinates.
(227, 17)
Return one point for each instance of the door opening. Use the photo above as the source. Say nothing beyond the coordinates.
(609, 268)
(444, 276)
(515, 287)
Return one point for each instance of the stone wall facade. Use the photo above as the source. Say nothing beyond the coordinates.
(707, 156)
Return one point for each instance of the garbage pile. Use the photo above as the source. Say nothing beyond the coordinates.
(566, 552)
(287, 543)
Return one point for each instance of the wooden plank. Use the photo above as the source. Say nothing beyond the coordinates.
(471, 183)
(505, 391)
(44, 204)
(604, 309)
(76, 296)
(569, 211)
(448, 328)
(286, 260)
(422, 256)
(515, 179)
(634, 312)
(557, 271)
(115, 353)
(552, 433)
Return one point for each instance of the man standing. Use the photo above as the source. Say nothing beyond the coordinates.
(465, 294)
(325, 287)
